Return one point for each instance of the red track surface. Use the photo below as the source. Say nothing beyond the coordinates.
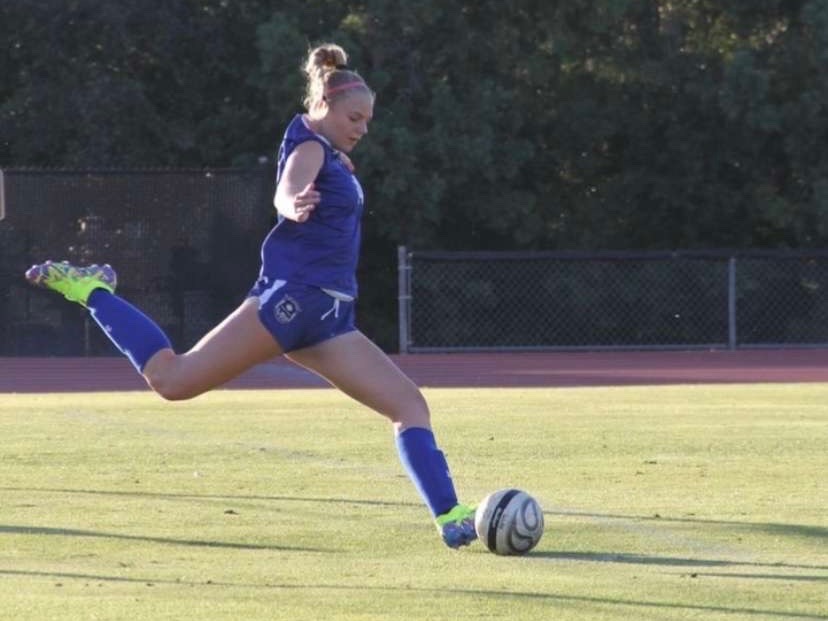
(457, 370)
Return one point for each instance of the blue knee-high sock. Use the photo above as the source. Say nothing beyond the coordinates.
(136, 335)
(427, 468)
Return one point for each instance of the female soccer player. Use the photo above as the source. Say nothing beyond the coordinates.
(302, 305)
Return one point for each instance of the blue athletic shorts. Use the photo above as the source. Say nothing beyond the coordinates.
(301, 315)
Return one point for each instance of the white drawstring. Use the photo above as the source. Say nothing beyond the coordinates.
(338, 297)
(334, 309)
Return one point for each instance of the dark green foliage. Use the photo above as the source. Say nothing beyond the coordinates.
(615, 124)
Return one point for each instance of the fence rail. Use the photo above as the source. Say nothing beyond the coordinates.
(513, 301)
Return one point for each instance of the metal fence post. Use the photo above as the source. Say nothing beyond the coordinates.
(403, 298)
(2, 195)
(87, 346)
(731, 303)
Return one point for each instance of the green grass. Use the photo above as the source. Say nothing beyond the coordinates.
(660, 503)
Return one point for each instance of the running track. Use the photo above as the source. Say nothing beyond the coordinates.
(462, 370)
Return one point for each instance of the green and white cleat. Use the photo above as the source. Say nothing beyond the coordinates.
(74, 283)
(457, 526)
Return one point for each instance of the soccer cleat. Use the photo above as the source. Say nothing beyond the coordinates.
(457, 526)
(75, 283)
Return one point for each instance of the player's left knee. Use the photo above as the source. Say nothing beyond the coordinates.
(170, 388)
(413, 412)
(171, 392)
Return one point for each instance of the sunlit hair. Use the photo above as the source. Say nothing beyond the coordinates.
(328, 75)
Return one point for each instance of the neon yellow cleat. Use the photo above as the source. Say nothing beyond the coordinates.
(74, 283)
(457, 526)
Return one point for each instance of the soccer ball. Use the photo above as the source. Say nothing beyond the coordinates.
(509, 522)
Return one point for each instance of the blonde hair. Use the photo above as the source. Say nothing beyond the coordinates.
(328, 75)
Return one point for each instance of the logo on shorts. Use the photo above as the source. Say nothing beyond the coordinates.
(286, 309)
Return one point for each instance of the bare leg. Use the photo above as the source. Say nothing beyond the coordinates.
(235, 345)
(360, 369)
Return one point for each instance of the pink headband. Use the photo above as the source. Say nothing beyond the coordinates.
(342, 87)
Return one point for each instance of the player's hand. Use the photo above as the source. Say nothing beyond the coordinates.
(305, 202)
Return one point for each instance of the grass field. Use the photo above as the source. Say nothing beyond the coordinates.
(698, 502)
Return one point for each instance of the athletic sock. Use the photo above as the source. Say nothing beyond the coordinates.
(427, 468)
(136, 335)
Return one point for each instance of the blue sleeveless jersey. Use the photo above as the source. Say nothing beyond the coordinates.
(322, 251)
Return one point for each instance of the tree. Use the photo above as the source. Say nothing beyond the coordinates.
(615, 124)
(118, 84)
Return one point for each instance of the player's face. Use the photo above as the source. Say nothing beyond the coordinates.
(347, 119)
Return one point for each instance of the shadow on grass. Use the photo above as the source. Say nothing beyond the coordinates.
(802, 530)
(794, 530)
(68, 532)
(645, 559)
(225, 497)
(793, 577)
(549, 598)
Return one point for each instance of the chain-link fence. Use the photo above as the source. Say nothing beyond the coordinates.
(185, 244)
(186, 247)
(545, 300)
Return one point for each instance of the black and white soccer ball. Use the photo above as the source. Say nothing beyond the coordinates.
(509, 522)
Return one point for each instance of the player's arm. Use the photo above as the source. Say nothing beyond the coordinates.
(295, 196)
